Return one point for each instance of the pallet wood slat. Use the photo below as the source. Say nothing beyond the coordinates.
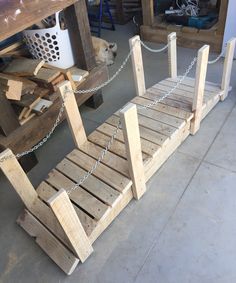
(106, 174)
(146, 146)
(145, 133)
(172, 111)
(111, 160)
(93, 185)
(81, 197)
(24, 67)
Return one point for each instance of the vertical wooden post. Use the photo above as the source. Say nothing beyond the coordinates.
(137, 63)
(228, 63)
(200, 79)
(72, 113)
(172, 55)
(129, 120)
(67, 217)
(17, 177)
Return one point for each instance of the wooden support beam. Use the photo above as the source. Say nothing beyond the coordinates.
(67, 217)
(76, 17)
(200, 79)
(137, 63)
(229, 56)
(17, 177)
(129, 120)
(172, 55)
(148, 12)
(67, 96)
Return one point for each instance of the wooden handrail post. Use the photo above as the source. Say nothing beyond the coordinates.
(228, 63)
(129, 120)
(67, 96)
(137, 63)
(200, 79)
(69, 220)
(172, 55)
(17, 177)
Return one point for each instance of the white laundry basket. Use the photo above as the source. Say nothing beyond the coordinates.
(51, 44)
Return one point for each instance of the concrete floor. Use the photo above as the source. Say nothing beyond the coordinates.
(182, 230)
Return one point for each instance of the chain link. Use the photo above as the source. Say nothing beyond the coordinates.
(154, 50)
(218, 57)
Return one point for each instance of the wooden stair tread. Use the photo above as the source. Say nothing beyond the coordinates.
(173, 111)
(152, 95)
(145, 133)
(209, 86)
(103, 172)
(93, 185)
(46, 191)
(80, 197)
(117, 147)
(147, 146)
(110, 159)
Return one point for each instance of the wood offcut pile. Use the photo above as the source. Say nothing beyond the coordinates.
(30, 85)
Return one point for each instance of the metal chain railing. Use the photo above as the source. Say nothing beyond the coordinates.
(154, 50)
(218, 57)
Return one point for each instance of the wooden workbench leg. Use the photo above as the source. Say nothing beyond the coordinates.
(137, 63)
(129, 120)
(172, 55)
(17, 177)
(76, 17)
(95, 100)
(67, 217)
(200, 79)
(67, 96)
(148, 12)
(229, 56)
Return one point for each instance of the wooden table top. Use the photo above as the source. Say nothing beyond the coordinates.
(17, 15)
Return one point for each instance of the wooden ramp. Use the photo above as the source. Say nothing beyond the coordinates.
(65, 218)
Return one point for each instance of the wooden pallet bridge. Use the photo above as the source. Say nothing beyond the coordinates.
(65, 226)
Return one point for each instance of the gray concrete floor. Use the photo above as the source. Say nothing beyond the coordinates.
(182, 230)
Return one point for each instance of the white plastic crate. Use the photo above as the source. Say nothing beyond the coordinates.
(51, 44)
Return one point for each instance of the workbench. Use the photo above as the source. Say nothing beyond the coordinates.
(15, 16)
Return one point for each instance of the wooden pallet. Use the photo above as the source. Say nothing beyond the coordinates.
(65, 225)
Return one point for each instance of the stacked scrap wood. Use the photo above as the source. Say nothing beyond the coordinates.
(30, 85)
